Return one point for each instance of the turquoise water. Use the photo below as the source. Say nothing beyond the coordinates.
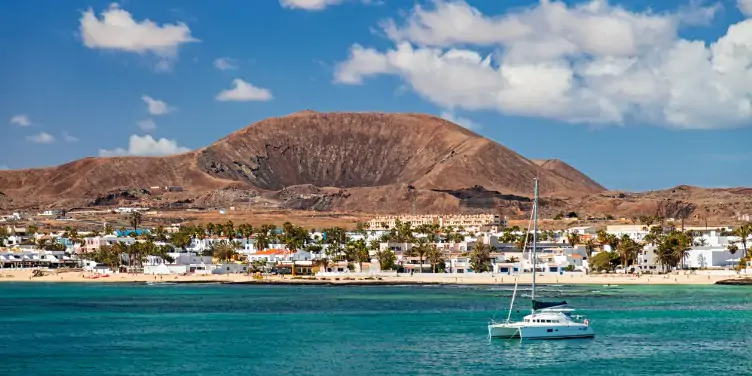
(92, 329)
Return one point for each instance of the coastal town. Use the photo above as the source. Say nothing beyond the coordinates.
(468, 248)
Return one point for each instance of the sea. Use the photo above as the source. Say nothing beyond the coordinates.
(170, 329)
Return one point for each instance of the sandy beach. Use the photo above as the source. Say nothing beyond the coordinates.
(25, 275)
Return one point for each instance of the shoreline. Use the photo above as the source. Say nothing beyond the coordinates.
(25, 275)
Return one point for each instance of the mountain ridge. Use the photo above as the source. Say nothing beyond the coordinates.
(365, 161)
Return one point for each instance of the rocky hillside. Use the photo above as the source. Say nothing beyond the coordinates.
(367, 162)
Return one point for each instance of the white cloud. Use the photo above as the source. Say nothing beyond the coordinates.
(314, 5)
(157, 107)
(745, 6)
(244, 91)
(146, 146)
(68, 138)
(459, 120)
(41, 138)
(308, 4)
(21, 120)
(147, 125)
(117, 30)
(588, 63)
(225, 63)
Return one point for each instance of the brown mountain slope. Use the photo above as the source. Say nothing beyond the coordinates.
(562, 169)
(371, 149)
(380, 157)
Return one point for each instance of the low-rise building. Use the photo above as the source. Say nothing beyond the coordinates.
(468, 222)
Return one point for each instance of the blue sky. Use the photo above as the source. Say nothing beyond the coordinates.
(672, 107)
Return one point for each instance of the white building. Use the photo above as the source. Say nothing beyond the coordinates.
(468, 222)
(711, 257)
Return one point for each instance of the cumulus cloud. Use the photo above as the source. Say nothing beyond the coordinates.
(146, 145)
(21, 120)
(157, 107)
(459, 120)
(588, 63)
(41, 138)
(244, 91)
(745, 6)
(308, 4)
(117, 30)
(225, 63)
(147, 125)
(67, 137)
(314, 5)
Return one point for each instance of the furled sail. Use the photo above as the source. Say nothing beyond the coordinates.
(541, 305)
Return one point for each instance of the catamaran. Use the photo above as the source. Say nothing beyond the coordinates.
(548, 320)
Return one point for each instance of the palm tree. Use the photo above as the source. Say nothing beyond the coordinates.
(520, 241)
(31, 232)
(181, 239)
(673, 248)
(589, 247)
(573, 238)
(743, 232)
(322, 263)
(223, 251)
(386, 259)
(480, 258)
(358, 251)
(419, 249)
(108, 229)
(3, 235)
(627, 249)
(135, 220)
(160, 234)
(229, 230)
(434, 257)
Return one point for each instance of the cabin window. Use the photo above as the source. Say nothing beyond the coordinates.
(549, 330)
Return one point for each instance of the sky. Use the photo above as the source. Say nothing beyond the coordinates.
(639, 95)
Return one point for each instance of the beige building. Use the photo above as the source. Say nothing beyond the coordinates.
(470, 222)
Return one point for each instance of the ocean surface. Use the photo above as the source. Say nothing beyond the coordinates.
(109, 329)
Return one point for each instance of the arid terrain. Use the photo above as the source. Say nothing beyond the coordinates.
(351, 163)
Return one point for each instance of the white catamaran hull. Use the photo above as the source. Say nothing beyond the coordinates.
(503, 331)
(556, 332)
(512, 331)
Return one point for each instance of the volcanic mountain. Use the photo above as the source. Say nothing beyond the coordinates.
(360, 161)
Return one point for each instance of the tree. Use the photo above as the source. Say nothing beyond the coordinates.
(604, 261)
(589, 247)
(135, 221)
(31, 232)
(521, 241)
(160, 234)
(480, 258)
(673, 248)
(419, 250)
(106, 255)
(358, 251)
(435, 257)
(3, 236)
(108, 229)
(362, 228)
(628, 250)
(223, 251)
(743, 232)
(181, 239)
(573, 238)
(386, 258)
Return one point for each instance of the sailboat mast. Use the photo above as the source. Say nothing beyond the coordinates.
(535, 239)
